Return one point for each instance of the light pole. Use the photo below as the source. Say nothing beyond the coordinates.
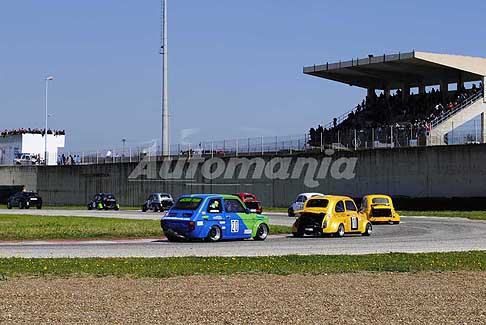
(46, 154)
(123, 150)
(165, 95)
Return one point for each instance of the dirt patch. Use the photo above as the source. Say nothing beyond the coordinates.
(440, 298)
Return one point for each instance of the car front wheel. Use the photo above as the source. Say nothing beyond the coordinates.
(9, 205)
(290, 212)
(262, 232)
(214, 234)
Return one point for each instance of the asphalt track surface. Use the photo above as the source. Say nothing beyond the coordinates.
(412, 235)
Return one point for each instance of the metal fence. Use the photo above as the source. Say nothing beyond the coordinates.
(396, 136)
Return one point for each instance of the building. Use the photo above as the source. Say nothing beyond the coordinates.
(12, 144)
(409, 75)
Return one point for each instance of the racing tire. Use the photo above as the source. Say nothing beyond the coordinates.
(117, 208)
(340, 232)
(214, 234)
(144, 208)
(27, 206)
(290, 212)
(298, 234)
(368, 230)
(262, 232)
(21, 205)
(39, 207)
(396, 222)
(9, 205)
(90, 207)
(155, 208)
(172, 238)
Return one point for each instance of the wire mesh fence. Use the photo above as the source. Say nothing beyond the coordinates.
(396, 136)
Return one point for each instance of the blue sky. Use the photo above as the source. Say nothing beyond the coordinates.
(235, 66)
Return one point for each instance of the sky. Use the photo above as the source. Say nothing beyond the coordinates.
(235, 67)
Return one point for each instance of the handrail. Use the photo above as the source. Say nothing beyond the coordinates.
(469, 101)
(339, 119)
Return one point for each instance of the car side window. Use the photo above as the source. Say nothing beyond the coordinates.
(214, 206)
(339, 207)
(233, 206)
(350, 206)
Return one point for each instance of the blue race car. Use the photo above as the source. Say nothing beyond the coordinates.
(212, 217)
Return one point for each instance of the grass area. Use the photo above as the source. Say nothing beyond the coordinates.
(283, 265)
(283, 210)
(26, 227)
(475, 215)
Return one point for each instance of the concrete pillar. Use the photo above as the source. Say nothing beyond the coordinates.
(371, 95)
(460, 82)
(405, 92)
(386, 90)
(483, 125)
(444, 89)
(484, 89)
(421, 88)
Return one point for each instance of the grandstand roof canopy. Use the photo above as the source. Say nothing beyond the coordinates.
(393, 71)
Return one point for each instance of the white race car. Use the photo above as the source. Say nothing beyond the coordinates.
(299, 202)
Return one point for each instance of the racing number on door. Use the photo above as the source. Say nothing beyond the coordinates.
(235, 225)
(354, 223)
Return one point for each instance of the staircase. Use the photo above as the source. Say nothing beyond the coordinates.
(466, 111)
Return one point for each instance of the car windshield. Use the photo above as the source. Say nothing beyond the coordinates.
(317, 203)
(252, 205)
(109, 196)
(380, 200)
(31, 194)
(187, 203)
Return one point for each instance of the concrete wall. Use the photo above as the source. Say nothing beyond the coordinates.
(424, 172)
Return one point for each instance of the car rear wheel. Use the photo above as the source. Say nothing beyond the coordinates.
(214, 234)
(340, 231)
(39, 207)
(396, 222)
(144, 208)
(368, 229)
(9, 205)
(172, 238)
(262, 232)
(21, 205)
(155, 208)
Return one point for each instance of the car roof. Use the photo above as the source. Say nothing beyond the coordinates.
(311, 194)
(377, 196)
(205, 196)
(332, 197)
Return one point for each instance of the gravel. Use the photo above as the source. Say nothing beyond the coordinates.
(440, 298)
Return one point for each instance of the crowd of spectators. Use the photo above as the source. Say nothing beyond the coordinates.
(415, 113)
(68, 160)
(6, 133)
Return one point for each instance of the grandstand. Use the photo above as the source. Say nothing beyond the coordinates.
(424, 99)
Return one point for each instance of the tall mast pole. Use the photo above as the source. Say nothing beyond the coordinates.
(165, 99)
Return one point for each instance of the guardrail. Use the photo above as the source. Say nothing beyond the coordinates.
(469, 101)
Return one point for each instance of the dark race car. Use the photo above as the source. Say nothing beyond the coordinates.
(25, 200)
(158, 202)
(103, 201)
(251, 201)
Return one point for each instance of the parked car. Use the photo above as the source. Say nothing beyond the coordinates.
(251, 201)
(25, 200)
(212, 217)
(25, 159)
(334, 215)
(103, 201)
(158, 202)
(379, 208)
(298, 204)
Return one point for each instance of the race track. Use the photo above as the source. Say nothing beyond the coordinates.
(413, 235)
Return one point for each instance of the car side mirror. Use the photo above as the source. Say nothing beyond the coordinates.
(247, 211)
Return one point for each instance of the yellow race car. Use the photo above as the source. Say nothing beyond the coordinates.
(379, 208)
(330, 215)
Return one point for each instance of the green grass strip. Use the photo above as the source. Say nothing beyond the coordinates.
(27, 227)
(282, 265)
